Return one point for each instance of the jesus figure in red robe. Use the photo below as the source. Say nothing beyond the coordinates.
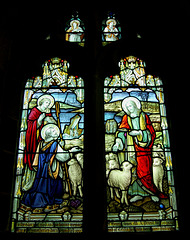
(142, 134)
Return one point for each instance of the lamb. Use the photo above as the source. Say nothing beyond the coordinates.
(158, 172)
(120, 179)
(80, 159)
(157, 151)
(111, 162)
(75, 175)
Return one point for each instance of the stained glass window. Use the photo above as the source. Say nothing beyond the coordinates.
(75, 30)
(140, 183)
(111, 30)
(48, 195)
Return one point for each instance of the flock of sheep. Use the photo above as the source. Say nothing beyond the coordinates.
(119, 177)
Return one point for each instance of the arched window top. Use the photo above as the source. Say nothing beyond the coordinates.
(128, 81)
(55, 73)
(132, 73)
(137, 148)
(50, 153)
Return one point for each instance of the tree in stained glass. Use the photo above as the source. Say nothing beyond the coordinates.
(111, 30)
(48, 194)
(140, 183)
(75, 30)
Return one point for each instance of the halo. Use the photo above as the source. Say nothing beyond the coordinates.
(47, 96)
(77, 21)
(111, 20)
(131, 99)
(46, 127)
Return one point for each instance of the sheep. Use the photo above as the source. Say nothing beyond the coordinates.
(75, 175)
(157, 151)
(120, 179)
(158, 172)
(80, 159)
(111, 162)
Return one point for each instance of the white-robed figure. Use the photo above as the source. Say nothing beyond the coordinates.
(75, 33)
(137, 131)
(111, 32)
(46, 191)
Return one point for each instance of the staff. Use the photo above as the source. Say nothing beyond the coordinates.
(57, 108)
(125, 135)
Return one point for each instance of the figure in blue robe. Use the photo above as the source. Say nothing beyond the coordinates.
(47, 187)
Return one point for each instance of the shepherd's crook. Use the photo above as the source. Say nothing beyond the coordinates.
(57, 108)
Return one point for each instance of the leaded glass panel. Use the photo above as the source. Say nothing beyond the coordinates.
(48, 194)
(140, 184)
(75, 30)
(111, 29)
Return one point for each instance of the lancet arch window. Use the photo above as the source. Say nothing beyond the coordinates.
(47, 195)
(141, 194)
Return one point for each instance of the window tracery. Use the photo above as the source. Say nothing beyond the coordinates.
(146, 205)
